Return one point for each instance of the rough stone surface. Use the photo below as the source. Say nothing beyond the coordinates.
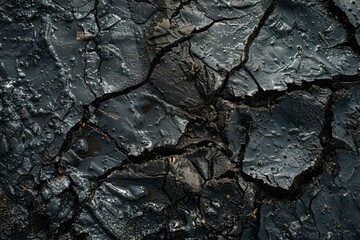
(285, 140)
(298, 43)
(179, 119)
(346, 119)
(327, 211)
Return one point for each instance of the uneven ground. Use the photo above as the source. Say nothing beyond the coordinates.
(173, 119)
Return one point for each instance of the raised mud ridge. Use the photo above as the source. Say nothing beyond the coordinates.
(175, 119)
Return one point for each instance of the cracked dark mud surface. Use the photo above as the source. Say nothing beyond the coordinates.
(177, 119)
